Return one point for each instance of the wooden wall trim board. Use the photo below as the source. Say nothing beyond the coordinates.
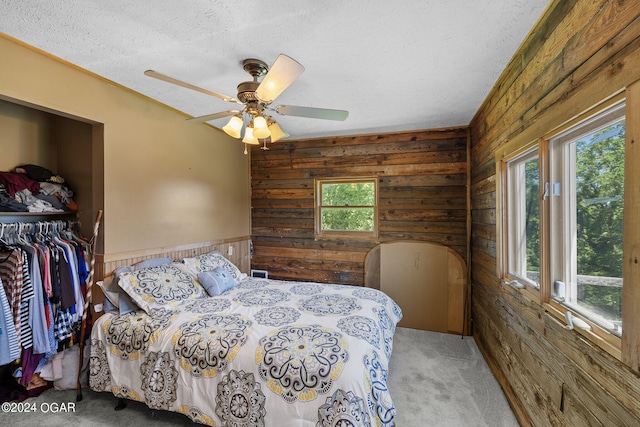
(150, 252)
(467, 293)
(579, 54)
(240, 254)
(106, 264)
(631, 266)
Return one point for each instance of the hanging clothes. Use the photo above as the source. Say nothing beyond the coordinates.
(18, 291)
(37, 305)
(43, 273)
(9, 347)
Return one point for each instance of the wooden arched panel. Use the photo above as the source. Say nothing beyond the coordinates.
(427, 280)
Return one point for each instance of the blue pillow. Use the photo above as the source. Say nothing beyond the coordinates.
(122, 269)
(216, 281)
(125, 303)
(153, 262)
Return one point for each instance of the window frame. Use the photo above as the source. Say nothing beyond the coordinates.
(516, 219)
(622, 348)
(345, 234)
(508, 154)
(599, 334)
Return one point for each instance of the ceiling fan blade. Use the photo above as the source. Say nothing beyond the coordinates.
(213, 116)
(168, 79)
(312, 112)
(283, 72)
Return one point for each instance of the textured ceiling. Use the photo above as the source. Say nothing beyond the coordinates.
(393, 65)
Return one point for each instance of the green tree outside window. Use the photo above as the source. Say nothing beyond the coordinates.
(348, 206)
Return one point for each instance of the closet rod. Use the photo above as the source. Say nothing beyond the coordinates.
(8, 229)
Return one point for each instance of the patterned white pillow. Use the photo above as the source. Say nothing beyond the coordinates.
(211, 261)
(161, 286)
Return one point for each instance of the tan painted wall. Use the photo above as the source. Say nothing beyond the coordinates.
(167, 182)
(24, 137)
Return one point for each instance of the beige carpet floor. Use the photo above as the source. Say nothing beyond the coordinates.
(436, 380)
(442, 380)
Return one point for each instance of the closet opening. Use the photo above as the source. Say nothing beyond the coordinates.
(70, 146)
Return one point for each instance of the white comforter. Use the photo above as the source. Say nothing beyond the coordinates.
(266, 353)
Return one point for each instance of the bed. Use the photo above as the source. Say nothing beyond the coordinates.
(225, 349)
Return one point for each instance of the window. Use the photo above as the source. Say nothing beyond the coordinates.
(347, 207)
(561, 221)
(522, 188)
(586, 217)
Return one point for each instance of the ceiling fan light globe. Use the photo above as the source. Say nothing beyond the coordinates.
(261, 133)
(233, 127)
(231, 132)
(277, 133)
(260, 129)
(249, 138)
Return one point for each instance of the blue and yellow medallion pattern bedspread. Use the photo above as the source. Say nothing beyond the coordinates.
(264, 353)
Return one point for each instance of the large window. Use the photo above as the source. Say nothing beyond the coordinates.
(346, 207)
(561, 220)
(586, 217)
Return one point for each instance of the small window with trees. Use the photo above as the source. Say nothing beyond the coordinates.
(346, 207)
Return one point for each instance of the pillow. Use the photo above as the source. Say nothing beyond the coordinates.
(109, 294)
(123, 269)
(125, 303)
(115, 295)
(161, 286)
(217, 281)
(110, 303)
(209, 262)
(152, 262)
(108, 307)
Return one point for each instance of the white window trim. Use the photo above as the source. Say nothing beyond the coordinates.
(516, 224)
(625, 348)
(505, 155)
(561, 146)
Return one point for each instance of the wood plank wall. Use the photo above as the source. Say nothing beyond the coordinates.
(580, 53)
(422, 186)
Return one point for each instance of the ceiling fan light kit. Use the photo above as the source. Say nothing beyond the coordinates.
(256, 98)
(234, 127)
(248, 136)
(260, 129)
(277, 133)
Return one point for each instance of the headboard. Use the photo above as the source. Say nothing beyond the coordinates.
(427, 280)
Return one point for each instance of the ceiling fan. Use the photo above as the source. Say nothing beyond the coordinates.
(256, 97)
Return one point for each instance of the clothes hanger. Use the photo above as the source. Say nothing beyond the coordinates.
(21, 235)
(5, 242)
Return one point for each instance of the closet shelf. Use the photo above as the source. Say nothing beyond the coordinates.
(36, 216)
